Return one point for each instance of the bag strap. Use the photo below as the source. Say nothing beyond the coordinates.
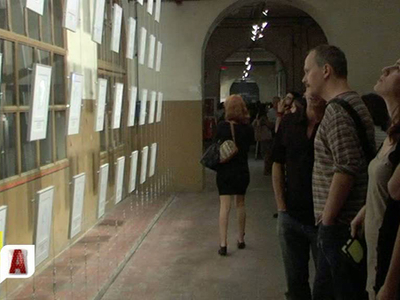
(233, 132)
(361, 130)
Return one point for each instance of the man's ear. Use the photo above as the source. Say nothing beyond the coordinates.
(327, 70)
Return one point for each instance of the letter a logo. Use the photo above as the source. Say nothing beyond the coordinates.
(18, 262)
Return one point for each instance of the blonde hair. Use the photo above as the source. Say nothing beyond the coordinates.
(236, 110)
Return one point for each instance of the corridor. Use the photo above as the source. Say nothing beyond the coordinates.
(178, 259)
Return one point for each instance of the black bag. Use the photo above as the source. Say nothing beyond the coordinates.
(368, 149)
(210, 158)
(388, 230)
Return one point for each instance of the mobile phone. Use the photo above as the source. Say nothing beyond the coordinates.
(354, 250)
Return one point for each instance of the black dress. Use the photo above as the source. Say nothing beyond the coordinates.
(233, 177)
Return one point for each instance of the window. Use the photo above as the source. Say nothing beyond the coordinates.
(25, 39)
(111, 66)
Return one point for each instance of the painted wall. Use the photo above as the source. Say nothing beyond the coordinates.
(370, 43)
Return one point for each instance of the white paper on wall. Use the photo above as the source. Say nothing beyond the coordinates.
(102, 189)
(3, 223)
(100, 104)
(35, 5)
(130, 45)
(150, 4)
(39, 103)
(159, 54)
(1, 68)
(116, 116)
(152, 49)
(152, 111)
(75, 103)
(116, 28)
(78, 184)
(140, 2)
(119, 178)
(133, 171)
(98, 21)
(43, 223)
(143, 169)
(143, 106)
(71, 14)
(159, 106)
(132, 106)
(157, 14)
(142, 46)
(153, 158)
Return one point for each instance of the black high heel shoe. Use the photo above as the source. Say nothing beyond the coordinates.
(222, 251)
(241, 245)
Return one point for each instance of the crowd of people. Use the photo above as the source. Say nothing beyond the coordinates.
(334, 158)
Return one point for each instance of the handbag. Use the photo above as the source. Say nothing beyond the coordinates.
(228, 149)
(210, 158)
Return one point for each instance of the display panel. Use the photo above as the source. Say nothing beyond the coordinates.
(143, 106)
(102, 189)
(39, 103)
(118, 94)
(152, 111)
(159, 54)
(133, 171)
(71, 14)
(142, 46)
(43, 223)
(116, 28)
(100, 104)
(159, 106)
(157, 14)
(119, 178)
(75, 103)
(78, 186)
(35, 5)
(153, 158)
(143, 169)
(132, 106)
(98, 21)
(130, 45)
(152, 49)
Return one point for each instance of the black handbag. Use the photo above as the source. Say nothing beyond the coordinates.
(210, 158)
(388, 231)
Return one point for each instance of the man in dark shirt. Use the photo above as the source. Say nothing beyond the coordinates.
(293, 157)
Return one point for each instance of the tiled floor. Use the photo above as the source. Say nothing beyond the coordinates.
(166, 248)
(179, 260)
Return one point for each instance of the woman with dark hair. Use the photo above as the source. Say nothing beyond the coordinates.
(233, 177)
(377, 108)
(383, 190)
(286, 106)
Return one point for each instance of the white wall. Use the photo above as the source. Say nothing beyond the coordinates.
(370, 41)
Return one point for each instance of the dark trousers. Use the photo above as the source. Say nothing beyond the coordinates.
(296, 240)
(337, 278)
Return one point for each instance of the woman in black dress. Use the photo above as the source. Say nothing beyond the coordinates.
(233, 177)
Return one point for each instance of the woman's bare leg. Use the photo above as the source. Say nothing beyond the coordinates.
(241, 216)
(224, 209)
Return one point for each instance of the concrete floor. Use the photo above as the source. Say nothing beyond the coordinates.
(178, 258)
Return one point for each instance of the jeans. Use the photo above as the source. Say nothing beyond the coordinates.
(337, 277)
(296, 240)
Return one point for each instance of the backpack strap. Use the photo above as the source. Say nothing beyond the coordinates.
(360, 127)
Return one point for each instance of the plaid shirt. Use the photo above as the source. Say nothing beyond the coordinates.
(338, 150)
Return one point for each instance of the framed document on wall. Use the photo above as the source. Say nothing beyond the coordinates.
(157, 14)
(142, 45)
(98, 21)
(116, 28)
(143, 169)
(35, 5)
(159, 54)
(152, 48)
(152, 110)
(130, 45)
(78, 198)
(143, 106)
(119, 178)
(3, 224)
(116, 116)
(71, 14)
(100, 104)
(133, 171)
(153, 157)
(140, 2)
(102, 189)
(150, 4)
(75, 103)
(132, 106)
(159, 106)
(43, 223)
(39, 103)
